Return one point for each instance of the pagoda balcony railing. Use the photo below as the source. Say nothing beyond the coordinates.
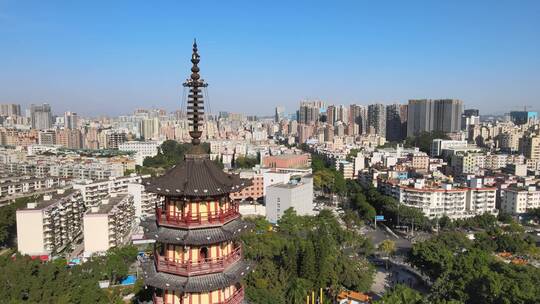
(197, 219)
(190, 268)
(236, 298)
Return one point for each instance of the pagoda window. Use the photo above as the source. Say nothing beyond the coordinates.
(204, 254)
(203, 210)
(178, 253)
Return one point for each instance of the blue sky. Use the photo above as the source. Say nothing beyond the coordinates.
(109, 57)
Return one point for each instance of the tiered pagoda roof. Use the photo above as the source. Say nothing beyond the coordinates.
(197, 176)
(200, 283)
(231, 230)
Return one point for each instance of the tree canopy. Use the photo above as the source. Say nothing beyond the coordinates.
(245, 162)
(423, 140)
(8, 221)
(170, 153)
(25, 280)
(327, 179)
(301, 254)
(467, 272)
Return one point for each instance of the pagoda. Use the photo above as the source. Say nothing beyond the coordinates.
(197, 256)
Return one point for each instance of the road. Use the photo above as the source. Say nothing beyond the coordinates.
(380, 234)
(399, 272)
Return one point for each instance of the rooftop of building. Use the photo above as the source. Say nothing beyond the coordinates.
(435, 186)
(49, 199)
(522, 188)
(291, 184)
(108, 204)
(112, 178)
(287, 155)
(23, 179)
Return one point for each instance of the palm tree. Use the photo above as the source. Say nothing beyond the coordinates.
(298, 290)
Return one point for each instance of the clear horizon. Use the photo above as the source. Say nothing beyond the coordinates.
(99, 58)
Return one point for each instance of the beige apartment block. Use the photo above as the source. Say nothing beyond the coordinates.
(108, 225)
(48, 226)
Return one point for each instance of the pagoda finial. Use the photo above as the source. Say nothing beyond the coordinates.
(195, 107)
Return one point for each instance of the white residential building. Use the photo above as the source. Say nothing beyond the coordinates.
(86, 169)
(145, 202)
(441, 144)
(109, 225)
(39, 149)
(48, 226)
(481, 199)
(142, 149)
(293, 194)
(272, 178)
(444, 200)
(94, 192)
(13, 187)
(517, 200)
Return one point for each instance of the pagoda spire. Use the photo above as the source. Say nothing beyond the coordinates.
(195, 104)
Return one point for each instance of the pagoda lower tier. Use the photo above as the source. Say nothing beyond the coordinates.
(198, 265)
(216, 288)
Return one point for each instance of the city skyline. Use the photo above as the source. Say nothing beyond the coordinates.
(335, 204)
(77, 58)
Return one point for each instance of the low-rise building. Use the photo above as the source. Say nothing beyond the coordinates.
(255, 191)
(346, 168)
(420, 161)
(438, 145)
(13, 187)
(65, 167)
(436, 200)
(287, 161)
(142, 149)
(468, 163)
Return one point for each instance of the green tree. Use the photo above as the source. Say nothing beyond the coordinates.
(352, 154)
(424, 140)
(307, 261)
(401, 294)
(351, 219)
(339, 184)
(8, 221)
(24, 280)
(534, 214)
(388, 247)
(298, 290)
(317, 246)
(170, 153)
(324, 180)
(245, 162)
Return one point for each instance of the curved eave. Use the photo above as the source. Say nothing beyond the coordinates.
(201, 283)
(176, 192)
(200, 236)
